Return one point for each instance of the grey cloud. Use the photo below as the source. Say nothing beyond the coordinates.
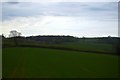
(25, 9)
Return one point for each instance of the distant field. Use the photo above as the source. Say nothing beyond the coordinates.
(50, 63)
(78, 45)
(90, 47)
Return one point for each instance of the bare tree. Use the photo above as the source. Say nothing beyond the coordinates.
(14, 35)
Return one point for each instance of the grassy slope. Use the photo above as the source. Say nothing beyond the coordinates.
(38, 62)
(100, 47)
(90, 46)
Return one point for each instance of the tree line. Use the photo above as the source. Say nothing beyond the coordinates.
(52, 39)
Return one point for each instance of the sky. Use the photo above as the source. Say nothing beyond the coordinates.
(89, 19)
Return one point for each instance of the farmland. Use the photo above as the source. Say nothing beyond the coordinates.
(50, 63)
(60, 57)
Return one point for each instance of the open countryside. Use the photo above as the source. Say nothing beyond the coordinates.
(32, 58)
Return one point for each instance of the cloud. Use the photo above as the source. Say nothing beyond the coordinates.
(61, 18)
(59, 9)
(57, 25)
(46, 1)
(36, 25)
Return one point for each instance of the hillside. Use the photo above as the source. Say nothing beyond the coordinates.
(60, 57)
(105, 45)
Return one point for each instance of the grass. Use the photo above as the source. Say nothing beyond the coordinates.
(50, 63)
(85, 46)
(0, 62)
(90, 46)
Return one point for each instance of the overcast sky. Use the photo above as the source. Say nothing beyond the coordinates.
(89, 19)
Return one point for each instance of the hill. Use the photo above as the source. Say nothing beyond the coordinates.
(105, 45)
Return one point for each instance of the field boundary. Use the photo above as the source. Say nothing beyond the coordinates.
(65, 48)
(70, 49)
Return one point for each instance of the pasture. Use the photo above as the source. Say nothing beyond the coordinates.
(19, 62)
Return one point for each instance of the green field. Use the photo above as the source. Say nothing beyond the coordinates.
(26, 62)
